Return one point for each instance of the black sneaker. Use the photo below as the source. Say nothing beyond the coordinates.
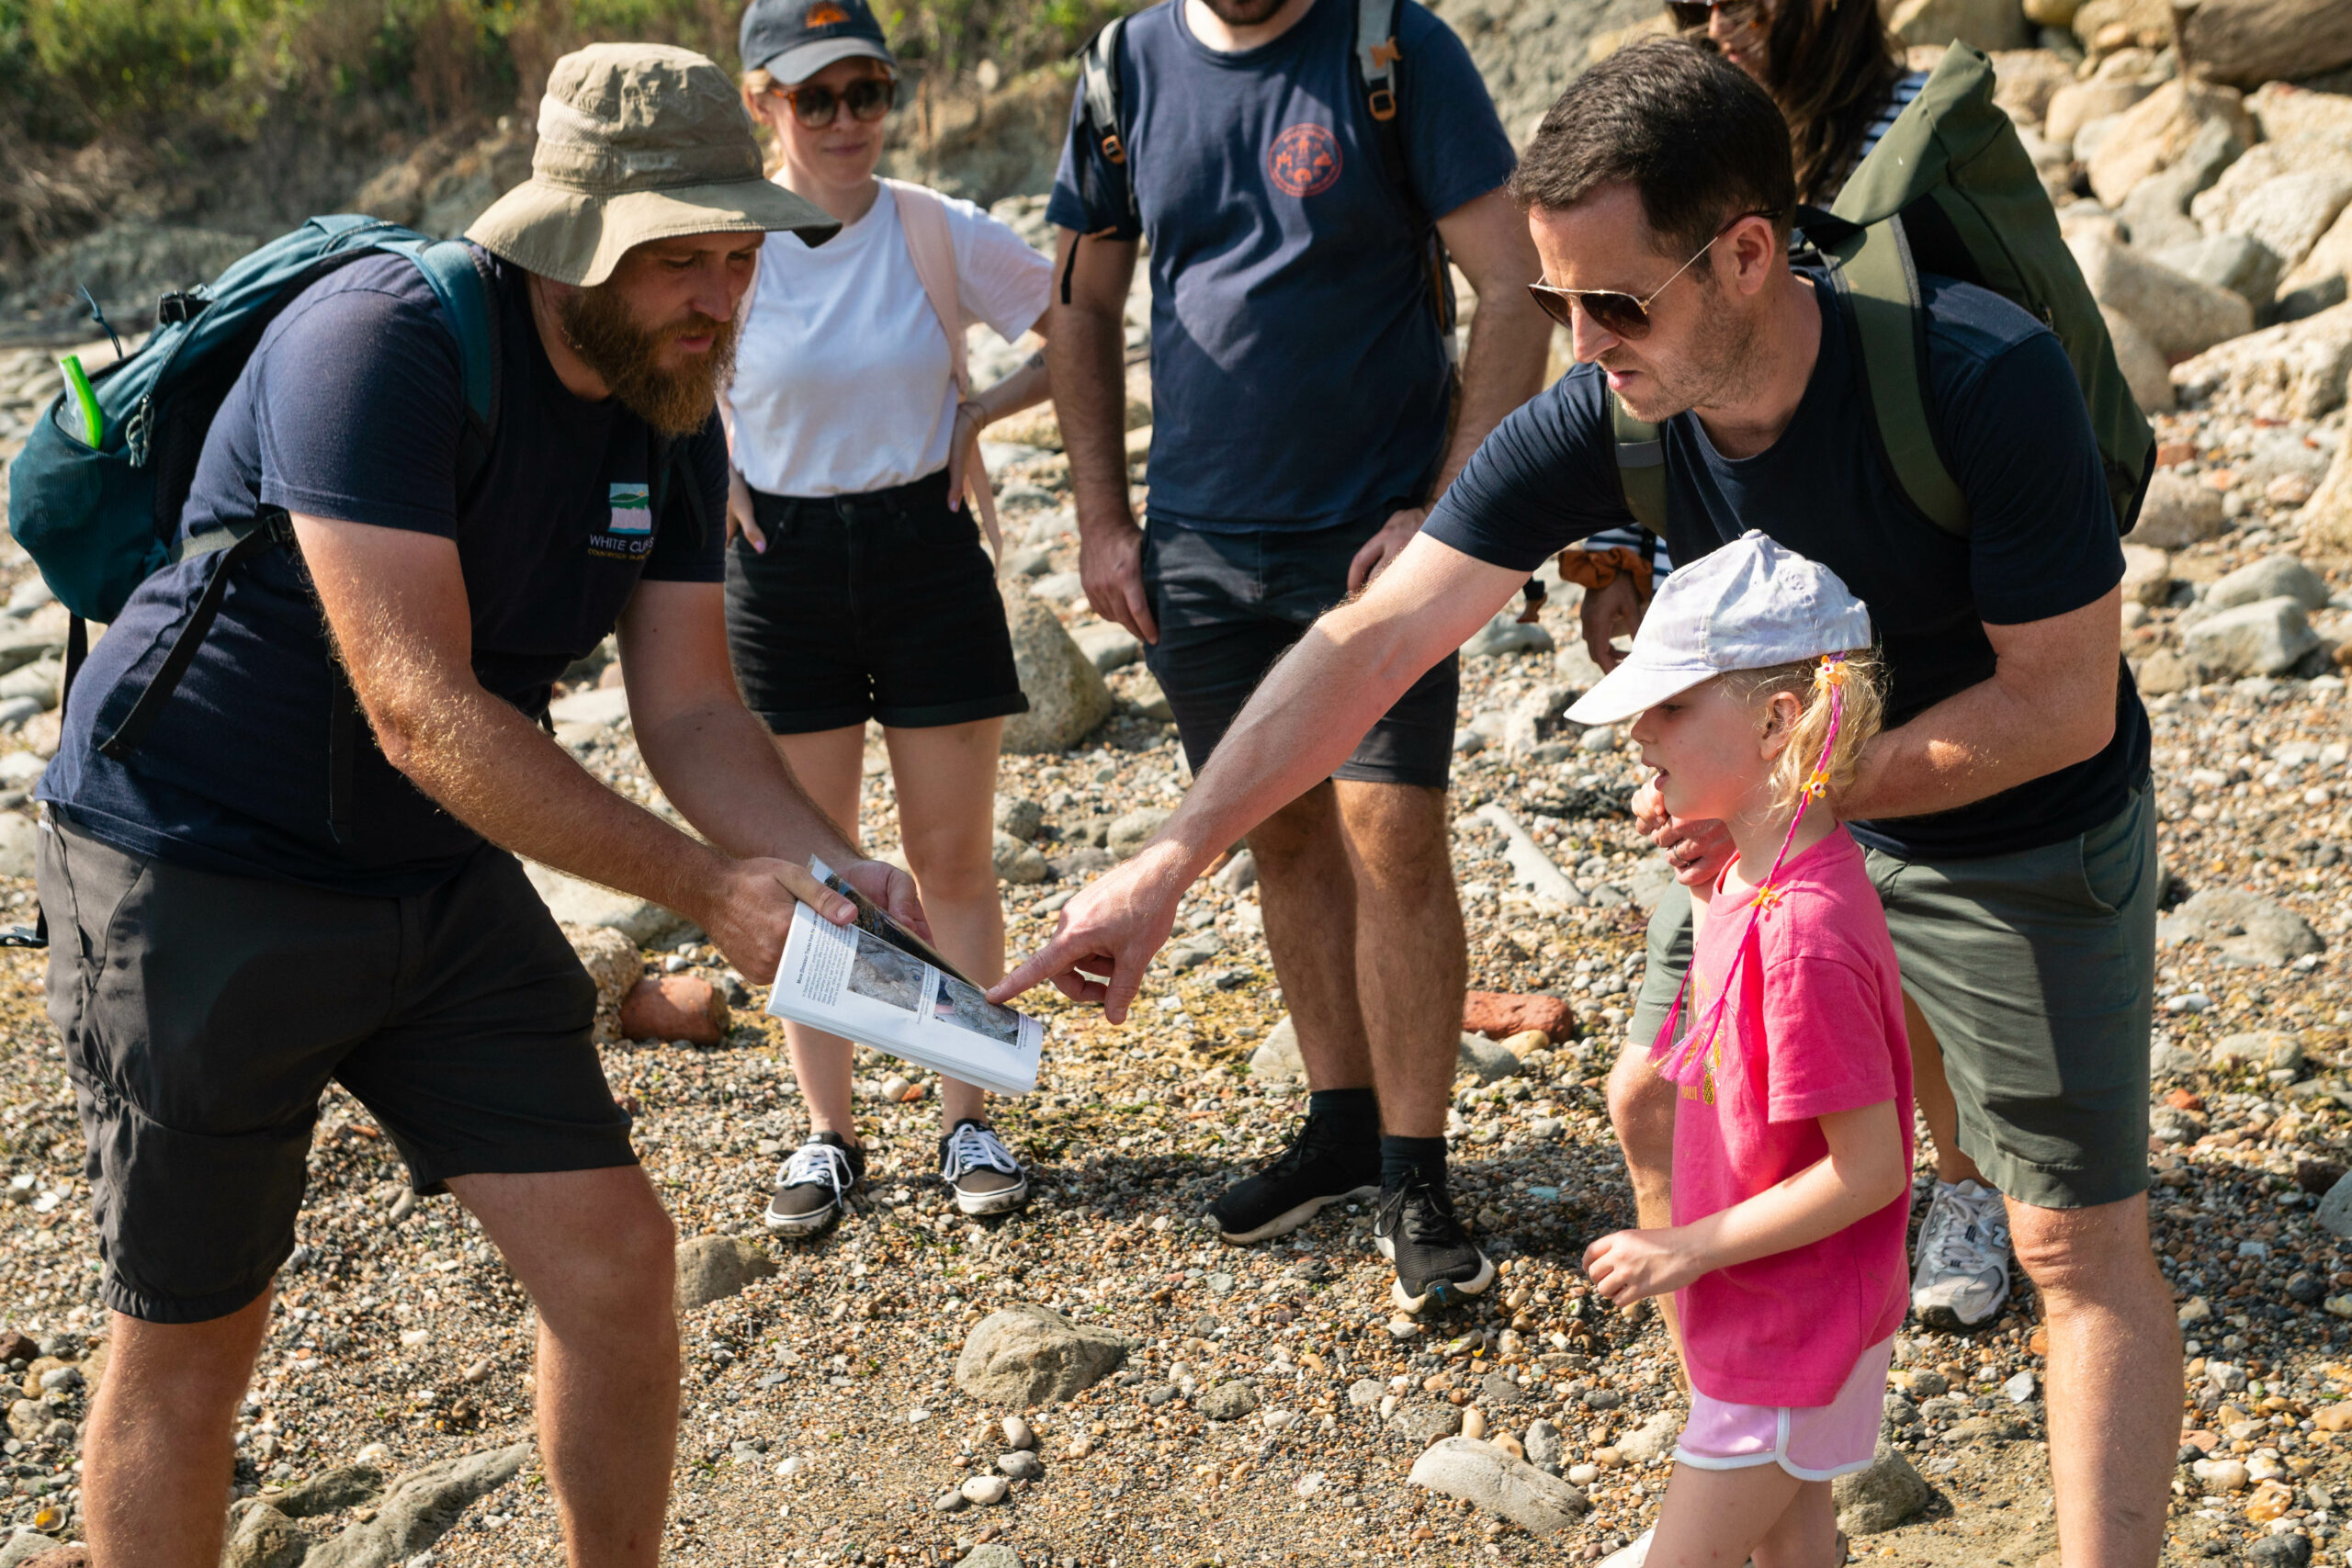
(816, 1185)
(982, 1171)
(1437, 1263)
(1316, 1170)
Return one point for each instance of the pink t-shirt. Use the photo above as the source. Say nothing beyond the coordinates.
(1815, 1027)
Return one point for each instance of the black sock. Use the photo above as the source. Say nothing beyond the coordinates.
(1401, 1158)
(1353, 1114)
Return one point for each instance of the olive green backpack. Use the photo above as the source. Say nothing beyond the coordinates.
(1948, 190)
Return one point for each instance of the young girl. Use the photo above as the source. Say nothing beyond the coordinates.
(1793, 1137)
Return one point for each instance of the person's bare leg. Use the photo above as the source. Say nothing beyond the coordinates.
(1933, 1092)
(829, 764)
(2114, 1379)
(1641, 1108)
(946, 782)
(1805, 1535)
(595, 1249)
(1306, 890)
(1714, 1519)
(1412, 956)
(156, 1458)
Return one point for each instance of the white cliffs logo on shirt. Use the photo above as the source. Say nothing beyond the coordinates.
(627, 534)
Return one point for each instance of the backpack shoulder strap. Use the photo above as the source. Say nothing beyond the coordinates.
(459, 277)
(1875, 279)
(1376, 56)
(1641, 467)
(923, 218)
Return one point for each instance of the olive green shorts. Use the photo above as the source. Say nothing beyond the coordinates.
(2037, 972)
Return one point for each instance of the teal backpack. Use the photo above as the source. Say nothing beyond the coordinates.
(1948, 190)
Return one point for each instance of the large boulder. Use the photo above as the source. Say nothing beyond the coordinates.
(264, 1537)
(574, 902)
(2159, 129)
(713, 1268)
(2143, 364)
(2266, 637)
(1032, 1355)
(2105, 25)
(2293, 371)
(2282, 111)
(2156, 212)
(2078, 104)
(2289, 212)
(2248, 930)
(2239, 262)
(2025, 80)
(1480, 1473)
(2181, 316)
(1877, 1499)
(2147, 575)
(2178, 513)
(1067, 696)
(2327, 515)
(2269, 578)
(2328, 261)
(2248, 42)
(420, 1509)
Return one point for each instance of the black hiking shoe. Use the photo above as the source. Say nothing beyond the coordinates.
(814, 1190)
(982, 1173)
(1288, 1191)
(1437, 1263)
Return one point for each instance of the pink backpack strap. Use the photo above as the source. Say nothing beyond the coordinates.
(923, 217)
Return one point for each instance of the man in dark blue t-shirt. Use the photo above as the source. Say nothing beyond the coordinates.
(244, 910)
(1302, 384)
(2006, 806)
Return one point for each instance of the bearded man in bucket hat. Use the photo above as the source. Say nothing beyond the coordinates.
(228, 943)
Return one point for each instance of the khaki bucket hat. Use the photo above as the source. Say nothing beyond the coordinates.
(637, 142)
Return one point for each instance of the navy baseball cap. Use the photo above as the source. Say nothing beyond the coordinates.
(794, 40)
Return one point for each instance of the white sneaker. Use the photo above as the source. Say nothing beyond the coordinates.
(982, 1171)
(1960, 1278)
(1631, 1556)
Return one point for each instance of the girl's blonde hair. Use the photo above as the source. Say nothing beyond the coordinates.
(757, 84)
(1813, 683)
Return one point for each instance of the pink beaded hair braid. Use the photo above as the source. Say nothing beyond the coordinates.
(1686, 1062)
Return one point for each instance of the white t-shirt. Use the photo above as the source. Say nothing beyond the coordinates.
(842, 382)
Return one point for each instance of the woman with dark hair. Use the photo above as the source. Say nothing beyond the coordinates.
(1835, 72)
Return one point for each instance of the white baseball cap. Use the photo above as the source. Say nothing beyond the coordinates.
(1749, 605)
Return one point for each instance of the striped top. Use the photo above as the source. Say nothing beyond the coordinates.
(1907, 87)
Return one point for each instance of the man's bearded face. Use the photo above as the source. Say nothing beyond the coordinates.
(672, 393)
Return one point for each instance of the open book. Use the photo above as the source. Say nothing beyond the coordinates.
(877, 982)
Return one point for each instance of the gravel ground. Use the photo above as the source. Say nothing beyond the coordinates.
(821, 1422)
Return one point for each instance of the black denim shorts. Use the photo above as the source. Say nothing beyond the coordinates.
(1230, 604)
(204, 1014)
(880, 606)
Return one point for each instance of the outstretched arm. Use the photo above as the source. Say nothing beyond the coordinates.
(1309, 713)
(395, 606)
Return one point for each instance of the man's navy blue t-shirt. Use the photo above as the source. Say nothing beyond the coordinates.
(1298, 377)
(351, 408)
(2041, 542)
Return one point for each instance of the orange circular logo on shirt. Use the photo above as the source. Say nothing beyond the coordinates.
(1305, 161)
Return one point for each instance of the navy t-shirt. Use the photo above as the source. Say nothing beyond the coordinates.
(1298, 376)
(351, 408)
(2043, 541)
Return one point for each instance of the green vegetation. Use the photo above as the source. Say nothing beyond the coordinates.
(74, 70)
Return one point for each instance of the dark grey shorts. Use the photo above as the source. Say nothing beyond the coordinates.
(204, 1014)
(2037, 972)
(1230, 604)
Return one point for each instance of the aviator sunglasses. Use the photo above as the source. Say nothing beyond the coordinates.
(1615, 312)
(814, 106)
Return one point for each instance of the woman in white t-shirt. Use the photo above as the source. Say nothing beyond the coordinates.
(856, 585)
